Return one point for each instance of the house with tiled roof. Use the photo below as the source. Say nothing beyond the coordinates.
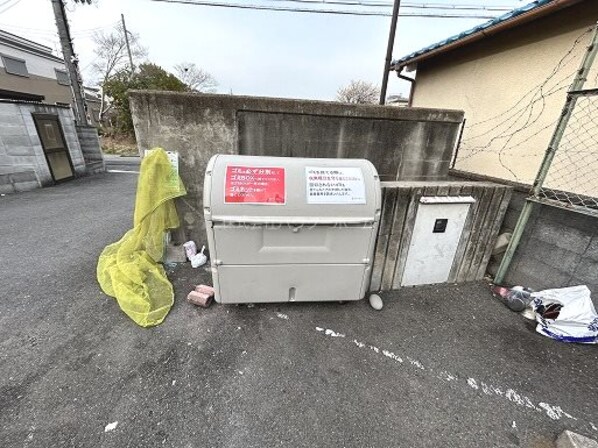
(510, 75)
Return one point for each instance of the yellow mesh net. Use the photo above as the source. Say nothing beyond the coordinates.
(128, 270)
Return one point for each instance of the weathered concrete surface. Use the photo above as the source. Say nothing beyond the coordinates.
(91, 149)
(405, 144)
(72, 363)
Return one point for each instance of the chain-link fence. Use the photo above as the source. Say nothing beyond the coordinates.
(567, 173)
(572, 177)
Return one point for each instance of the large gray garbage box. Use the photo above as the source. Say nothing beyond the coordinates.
(286, 229)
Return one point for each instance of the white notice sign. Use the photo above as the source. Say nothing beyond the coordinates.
(329, 185)
(173, 158)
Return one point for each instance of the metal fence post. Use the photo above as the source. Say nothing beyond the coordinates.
(577, 84)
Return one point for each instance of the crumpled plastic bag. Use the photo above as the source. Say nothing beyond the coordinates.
(566, 314)
(128, 270)
(516, 298)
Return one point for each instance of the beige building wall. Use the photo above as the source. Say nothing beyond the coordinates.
(512, 87)
(41, 79)
(38, 85)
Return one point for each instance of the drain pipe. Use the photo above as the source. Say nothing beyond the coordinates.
(411, 81)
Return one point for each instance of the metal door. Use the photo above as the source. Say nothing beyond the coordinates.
(54, 146)
(436, 234)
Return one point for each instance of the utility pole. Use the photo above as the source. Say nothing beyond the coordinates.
(122, 18)
(389, 48)
(70, 60)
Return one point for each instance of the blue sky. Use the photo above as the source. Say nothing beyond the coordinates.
(249, 52)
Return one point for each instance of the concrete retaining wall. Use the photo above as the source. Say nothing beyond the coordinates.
(403, 143)
(558, 248)
(23, 165)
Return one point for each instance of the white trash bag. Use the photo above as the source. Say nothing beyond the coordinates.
(566, 314)
(199, 259)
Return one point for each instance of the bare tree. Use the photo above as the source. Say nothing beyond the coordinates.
(111, 56)
(358, 92)
(197, 79)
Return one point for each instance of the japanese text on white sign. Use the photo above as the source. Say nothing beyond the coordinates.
(329, 185)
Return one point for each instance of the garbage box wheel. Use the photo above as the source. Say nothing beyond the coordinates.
(376, 302)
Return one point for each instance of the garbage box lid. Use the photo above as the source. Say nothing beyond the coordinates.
(291, 190)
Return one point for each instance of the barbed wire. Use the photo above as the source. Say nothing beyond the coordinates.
(511, 132)
(514, 119)
(539, 86)
(510, 120)
(571, 180)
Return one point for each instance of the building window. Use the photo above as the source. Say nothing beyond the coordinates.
(62, 77)
(15, 66)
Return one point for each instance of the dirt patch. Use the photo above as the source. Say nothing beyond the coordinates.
(119, 145)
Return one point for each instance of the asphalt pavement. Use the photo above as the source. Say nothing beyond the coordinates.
(438, 366)
(121, 163)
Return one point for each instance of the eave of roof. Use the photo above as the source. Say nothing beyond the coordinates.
(18, 42)
(516, 17)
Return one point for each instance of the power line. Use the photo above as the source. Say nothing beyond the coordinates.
(46, 32)
(85, 30)
(89, 64)
(9, 6)
(458, 6)
(441, 6)
(324, 11)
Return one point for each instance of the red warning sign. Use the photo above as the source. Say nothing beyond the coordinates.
(254, 185)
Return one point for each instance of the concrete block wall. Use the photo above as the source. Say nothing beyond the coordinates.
(20, 165)
(13, 182)
(91, 149)
(559, 247)
(23, 165)
(403, 143)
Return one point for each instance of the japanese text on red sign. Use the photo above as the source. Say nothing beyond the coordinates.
(254, 185)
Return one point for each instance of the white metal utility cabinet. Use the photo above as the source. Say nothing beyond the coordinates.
(286, 229)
